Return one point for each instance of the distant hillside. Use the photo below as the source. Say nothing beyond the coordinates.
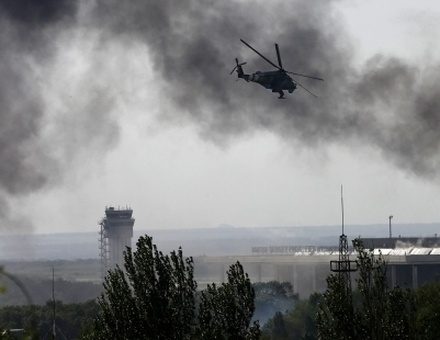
(224, 240)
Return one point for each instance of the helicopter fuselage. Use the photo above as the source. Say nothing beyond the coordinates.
(273, 80)
(277, 81)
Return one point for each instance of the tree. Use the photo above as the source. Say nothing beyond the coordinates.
(272, 297)
(275, 328)
(300, 322)
(72, 320)
(428, 311)
(154, 298)
(373, 311)
(335, 318)
(226, 311)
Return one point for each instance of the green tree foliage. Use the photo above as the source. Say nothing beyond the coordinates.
(8, 335)
(301, 322)
(272, 297)
(297, 323)
(226, 311)
(71, 320)
(275, 328)
(335, 320)
(154, 298)
(428, 311)
(373, 311)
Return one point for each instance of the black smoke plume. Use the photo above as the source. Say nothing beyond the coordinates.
(389, 104)
(39, 143)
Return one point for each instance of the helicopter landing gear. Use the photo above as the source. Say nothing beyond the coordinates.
(281, 95)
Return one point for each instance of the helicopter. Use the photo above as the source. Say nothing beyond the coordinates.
(278, 80)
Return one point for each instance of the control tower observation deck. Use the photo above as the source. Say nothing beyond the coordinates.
(116, 234)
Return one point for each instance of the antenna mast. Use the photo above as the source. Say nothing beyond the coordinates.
(342, 208)
(343, 266)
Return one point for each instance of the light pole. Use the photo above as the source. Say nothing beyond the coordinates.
(389, 224)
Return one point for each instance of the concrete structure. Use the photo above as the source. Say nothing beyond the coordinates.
(308, 268)
(115, 235)
(400, 242)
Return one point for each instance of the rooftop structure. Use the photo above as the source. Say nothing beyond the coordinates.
(400, 242)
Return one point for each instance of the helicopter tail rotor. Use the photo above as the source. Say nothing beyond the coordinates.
(238, 67)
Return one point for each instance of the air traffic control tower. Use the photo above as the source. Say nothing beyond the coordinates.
(116, 234)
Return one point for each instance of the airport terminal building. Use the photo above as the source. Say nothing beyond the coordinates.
(411, 262)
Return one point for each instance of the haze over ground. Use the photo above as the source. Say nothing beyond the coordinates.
(222, 241)
(131, 103)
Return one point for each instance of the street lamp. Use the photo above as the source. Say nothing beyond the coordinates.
(389, 224)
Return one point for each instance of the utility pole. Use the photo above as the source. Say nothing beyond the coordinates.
(54, 310)
(389, 224)
(54, 327)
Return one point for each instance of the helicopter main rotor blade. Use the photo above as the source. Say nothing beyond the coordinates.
(304, 75)
(262, 56)
(280, 67)
(279, 57)
(298, 83)
(236, 61)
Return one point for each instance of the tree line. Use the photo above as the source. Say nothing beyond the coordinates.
(372, 310)
(155, 296)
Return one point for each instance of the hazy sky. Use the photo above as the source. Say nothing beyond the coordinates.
(131, 104)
